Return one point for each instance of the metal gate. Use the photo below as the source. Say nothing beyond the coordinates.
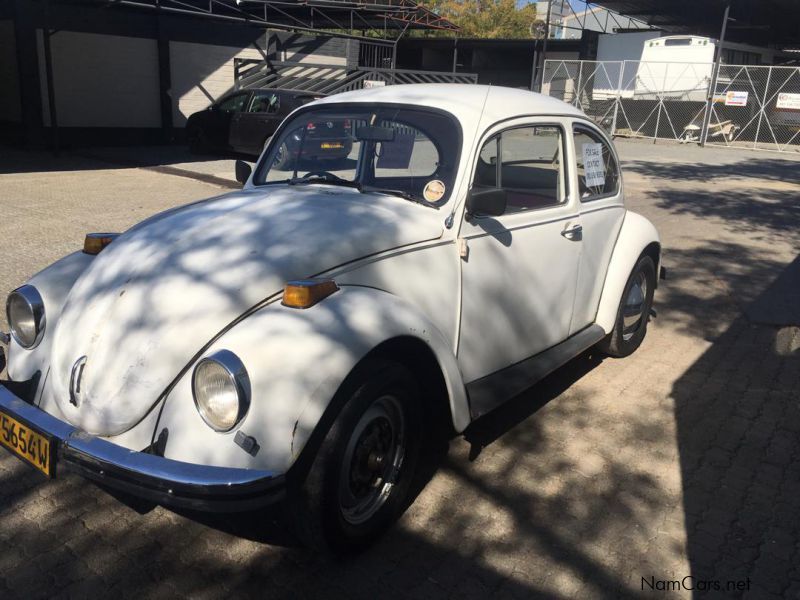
(751, 106)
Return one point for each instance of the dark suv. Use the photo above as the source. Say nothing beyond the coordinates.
(242, 121)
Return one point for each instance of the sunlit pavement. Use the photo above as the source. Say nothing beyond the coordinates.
(678, 466)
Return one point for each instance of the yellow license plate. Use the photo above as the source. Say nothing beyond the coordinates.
(29, 445)
(331, 145)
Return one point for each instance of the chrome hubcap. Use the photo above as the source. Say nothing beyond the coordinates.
(633, 312)
(372, 460)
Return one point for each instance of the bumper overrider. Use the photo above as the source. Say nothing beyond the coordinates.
(148, 476)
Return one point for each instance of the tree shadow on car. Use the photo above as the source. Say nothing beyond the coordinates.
(272, 522)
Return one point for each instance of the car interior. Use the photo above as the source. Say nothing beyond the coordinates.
(530, 169)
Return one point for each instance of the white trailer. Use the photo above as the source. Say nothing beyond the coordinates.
(676, 66)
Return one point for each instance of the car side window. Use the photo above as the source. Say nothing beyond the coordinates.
(598, 174)
(233, 103)
(528, 163)
(265, 103)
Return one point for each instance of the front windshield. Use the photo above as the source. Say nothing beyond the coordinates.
(408, 152)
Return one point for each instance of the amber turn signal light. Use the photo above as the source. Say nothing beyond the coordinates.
(307, 292)
(95, 242)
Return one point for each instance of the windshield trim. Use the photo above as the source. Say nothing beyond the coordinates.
(261, 167)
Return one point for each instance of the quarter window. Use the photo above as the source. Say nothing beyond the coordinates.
(527, 162)
(598, 175)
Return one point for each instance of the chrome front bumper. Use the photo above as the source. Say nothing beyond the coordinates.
(161, 480)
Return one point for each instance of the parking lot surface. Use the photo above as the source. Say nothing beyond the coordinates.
(676, 467)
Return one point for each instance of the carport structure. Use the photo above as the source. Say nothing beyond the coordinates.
(131, 71)
(391, 17)
(756, 22)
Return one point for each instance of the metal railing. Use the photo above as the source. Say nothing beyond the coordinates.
(380, 55)
(751, 106)
(333, 79)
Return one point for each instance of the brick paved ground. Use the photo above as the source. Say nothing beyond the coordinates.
(683, 459)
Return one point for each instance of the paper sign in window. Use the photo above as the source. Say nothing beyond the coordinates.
(397, 153)
(594, 167)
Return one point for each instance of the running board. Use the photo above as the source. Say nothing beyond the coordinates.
(489, 392)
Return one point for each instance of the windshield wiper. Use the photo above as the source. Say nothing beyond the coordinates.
(328, 178)
(399, 193)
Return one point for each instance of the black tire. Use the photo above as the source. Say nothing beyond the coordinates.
(282, 158)
(264, 144)
(325, 506)
(626, 338)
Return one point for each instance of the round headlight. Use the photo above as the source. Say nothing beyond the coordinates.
(221, 389)
(25, 312)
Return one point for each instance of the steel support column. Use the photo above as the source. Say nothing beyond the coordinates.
(30, 87)
(47, 33)
(540, 75)
(712, 90)
(164, 81)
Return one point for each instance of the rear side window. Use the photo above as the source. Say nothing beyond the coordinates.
(265, 103)
(233, 103)
(598, 174)
(527, 162)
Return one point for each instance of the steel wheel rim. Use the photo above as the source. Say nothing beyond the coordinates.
(372, 460)
(633, 311)
(280, 154)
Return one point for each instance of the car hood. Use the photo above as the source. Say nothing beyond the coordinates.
(153, 298)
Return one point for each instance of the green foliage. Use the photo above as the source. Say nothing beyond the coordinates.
(487, 18)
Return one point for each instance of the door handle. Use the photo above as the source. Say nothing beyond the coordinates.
(573, 233)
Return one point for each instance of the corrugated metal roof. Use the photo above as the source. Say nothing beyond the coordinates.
(758, 22)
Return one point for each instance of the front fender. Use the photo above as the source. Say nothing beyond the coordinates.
(53, 283)
(636, 234)
(296, 360)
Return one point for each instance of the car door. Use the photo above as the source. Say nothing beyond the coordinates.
(257, 122)
(218, 121)
(519, 270)
(596, 177)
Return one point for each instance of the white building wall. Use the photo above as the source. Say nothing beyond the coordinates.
(102, 80)
(201, 73)
(10, 108)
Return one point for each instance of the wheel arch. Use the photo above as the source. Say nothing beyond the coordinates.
(306, 358)
(637, 236)
(414, 354)
(420, 359)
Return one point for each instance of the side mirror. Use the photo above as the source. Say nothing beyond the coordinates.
(243, 171)
(489, 202)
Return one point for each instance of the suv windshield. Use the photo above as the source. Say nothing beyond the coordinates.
(408, 152)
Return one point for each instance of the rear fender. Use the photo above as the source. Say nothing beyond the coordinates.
(636, 234)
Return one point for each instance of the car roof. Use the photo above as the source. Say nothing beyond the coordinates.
(470, 103)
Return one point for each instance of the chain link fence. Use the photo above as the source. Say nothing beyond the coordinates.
(751, 106)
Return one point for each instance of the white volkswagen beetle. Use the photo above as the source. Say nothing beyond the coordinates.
(397, 254)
